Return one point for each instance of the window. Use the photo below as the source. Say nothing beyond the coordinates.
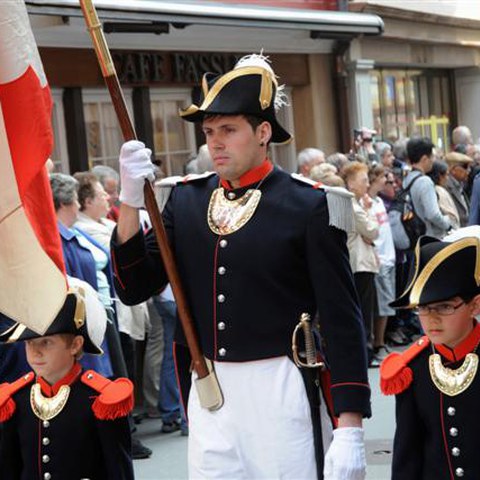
(174, 138)
(59, 155)
(104, 136)
(408, 102)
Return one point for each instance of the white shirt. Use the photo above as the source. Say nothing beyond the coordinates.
(384, 245)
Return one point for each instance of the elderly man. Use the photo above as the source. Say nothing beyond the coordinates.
(109, 179)
(462, 135)
(458, 169)
(385, 154)
(255, 249)
(309, 158)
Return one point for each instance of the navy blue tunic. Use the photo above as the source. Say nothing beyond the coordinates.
(247, 290)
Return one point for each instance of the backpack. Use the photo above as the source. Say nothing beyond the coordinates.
(407, 227)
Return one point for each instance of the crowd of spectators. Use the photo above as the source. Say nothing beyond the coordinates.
(444, 188)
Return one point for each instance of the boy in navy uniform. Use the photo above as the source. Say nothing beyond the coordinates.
(58, 421)
(255, 248)
(436, 380)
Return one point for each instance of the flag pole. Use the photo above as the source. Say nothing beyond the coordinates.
(128, 130)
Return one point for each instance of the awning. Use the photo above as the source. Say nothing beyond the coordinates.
(321, 24)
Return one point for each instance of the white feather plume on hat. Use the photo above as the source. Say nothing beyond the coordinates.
(262, 61)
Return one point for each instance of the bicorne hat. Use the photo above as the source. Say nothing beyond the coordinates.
(81, 314)
(442, 270)
(251, 88)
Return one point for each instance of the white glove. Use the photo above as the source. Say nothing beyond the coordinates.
(135, 167)
(345, 459)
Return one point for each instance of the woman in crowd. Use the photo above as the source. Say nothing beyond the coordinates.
(84, 258)
(363, 259)
(385, 250)
(439, 175)
(94, 206)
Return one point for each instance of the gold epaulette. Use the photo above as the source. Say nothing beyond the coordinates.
(7, 404)
(395, 374)
(339, 201)
(115, 399)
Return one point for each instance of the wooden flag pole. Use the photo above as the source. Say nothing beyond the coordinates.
(128, 130)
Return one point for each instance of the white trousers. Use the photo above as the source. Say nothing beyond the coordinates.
(264, 429)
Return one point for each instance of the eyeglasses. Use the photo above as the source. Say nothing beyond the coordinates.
(442, 309)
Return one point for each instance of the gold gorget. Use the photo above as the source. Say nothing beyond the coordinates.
(47, 408)
(227, 216)
(453, 382)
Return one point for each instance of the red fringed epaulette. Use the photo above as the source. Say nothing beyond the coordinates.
(395, 374)
(115, 399)
(7, 404)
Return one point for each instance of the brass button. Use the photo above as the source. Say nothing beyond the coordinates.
(455, 451)
(45, 441)
(45, 458)
(221, 326)
(222, 352)
(453, 432)
(46, 424)
(451, 411)
(221, 298)
(223, 243)
(221, 270)
(47, 476)
(459, 472)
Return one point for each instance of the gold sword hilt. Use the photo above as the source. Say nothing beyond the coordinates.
(305, 324)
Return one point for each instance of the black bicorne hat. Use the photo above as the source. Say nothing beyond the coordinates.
(71, 319)
(248, 89)
(442, 270)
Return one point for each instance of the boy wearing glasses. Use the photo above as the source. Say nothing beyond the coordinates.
(435, 381)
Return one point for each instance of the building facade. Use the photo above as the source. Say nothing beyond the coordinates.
(162, 49)
(422, 76)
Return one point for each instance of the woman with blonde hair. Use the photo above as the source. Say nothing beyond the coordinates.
(363, 259)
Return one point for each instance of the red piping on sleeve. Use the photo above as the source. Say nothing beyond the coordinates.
(114, 262)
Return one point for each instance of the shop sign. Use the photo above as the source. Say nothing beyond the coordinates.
(146, 68)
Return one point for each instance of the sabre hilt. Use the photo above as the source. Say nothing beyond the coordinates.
(305, 325)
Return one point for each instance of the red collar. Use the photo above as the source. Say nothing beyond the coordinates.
(51, 390)
(254, 175)
(461, 350)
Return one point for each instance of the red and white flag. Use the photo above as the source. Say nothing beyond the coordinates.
(32, 273)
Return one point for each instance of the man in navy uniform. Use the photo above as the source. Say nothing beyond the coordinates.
(255, 248)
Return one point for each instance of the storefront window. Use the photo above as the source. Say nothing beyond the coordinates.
(174, 138)
(104, 136)
(409, 102)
